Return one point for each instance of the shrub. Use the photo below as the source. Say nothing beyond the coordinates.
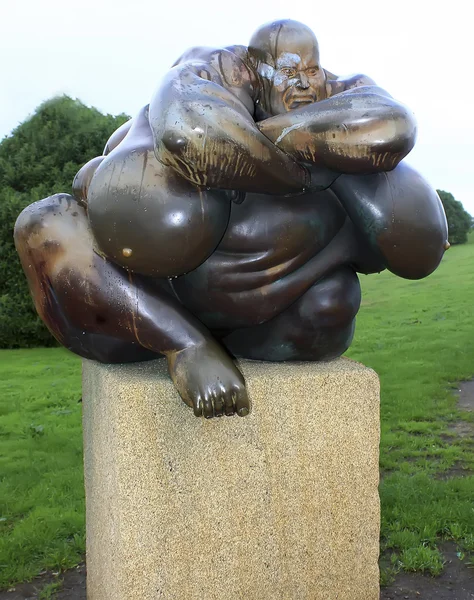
(38, 159)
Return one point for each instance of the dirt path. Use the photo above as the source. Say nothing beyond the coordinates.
(73, 588)
(466, 395)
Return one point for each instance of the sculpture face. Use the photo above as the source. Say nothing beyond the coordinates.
(286, 56)
(297, 80)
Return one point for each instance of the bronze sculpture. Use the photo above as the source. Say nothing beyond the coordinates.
(229, 219)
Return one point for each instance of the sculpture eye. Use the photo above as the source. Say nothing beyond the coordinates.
(312, 71)
(288, 71)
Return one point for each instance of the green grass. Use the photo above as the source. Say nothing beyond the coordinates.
(418, 335)
(41, 492)
(49, 591)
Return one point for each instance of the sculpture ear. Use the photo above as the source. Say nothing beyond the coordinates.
(330, 75)
(358, 80)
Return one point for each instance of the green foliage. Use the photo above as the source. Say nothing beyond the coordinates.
(40, 158)
(459, 220)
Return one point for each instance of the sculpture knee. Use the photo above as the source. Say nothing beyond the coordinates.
(31, 219)
(47, 220)
(50, 233)
(333, 301)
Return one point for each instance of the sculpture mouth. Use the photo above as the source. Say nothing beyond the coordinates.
(299, 101)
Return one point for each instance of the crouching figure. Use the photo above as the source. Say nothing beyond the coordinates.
(230, 217)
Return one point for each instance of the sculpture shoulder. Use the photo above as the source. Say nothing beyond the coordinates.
(337, 84)
(231, 65)
(233, 55)
(196, 54)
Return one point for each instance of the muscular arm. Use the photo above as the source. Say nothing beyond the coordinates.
(201, 118)
(359, 128)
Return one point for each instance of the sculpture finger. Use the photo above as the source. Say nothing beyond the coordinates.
(242, 403)
(229, 404)
(207, 407)
(219, 404)
(197, 406)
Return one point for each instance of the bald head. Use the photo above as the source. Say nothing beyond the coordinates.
(286, 56)
(286, 35)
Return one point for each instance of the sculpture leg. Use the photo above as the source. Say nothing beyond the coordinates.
(100, 311)
(319, 326)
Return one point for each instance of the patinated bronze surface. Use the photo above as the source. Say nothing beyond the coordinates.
(230, 218)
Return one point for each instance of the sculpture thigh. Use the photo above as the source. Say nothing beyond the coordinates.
(79, 295)
(318, 326)
(92, 306)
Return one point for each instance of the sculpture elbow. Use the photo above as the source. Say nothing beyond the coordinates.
(175, 142)
(403, 131)
(390, 135)
(176, 135)
(186, 153)
(375, 135)
(395, 137)
(194, 155)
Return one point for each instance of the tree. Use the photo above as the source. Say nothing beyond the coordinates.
(459, 220)
(38, 159)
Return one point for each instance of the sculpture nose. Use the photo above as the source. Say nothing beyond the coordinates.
(303, 80)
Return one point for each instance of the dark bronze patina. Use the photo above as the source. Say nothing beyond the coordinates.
(230, 218)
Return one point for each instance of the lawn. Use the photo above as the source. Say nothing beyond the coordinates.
(41, 492)
(418, 335)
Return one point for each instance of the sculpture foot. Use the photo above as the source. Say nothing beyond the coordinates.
(208, 381)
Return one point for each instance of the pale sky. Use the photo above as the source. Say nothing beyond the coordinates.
(111, 54)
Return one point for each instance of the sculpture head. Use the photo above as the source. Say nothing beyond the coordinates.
(285, 55)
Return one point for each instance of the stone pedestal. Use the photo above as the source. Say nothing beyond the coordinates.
(280, 505)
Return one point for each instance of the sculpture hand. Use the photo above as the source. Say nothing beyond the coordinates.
(208, 381)
(320, 177)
